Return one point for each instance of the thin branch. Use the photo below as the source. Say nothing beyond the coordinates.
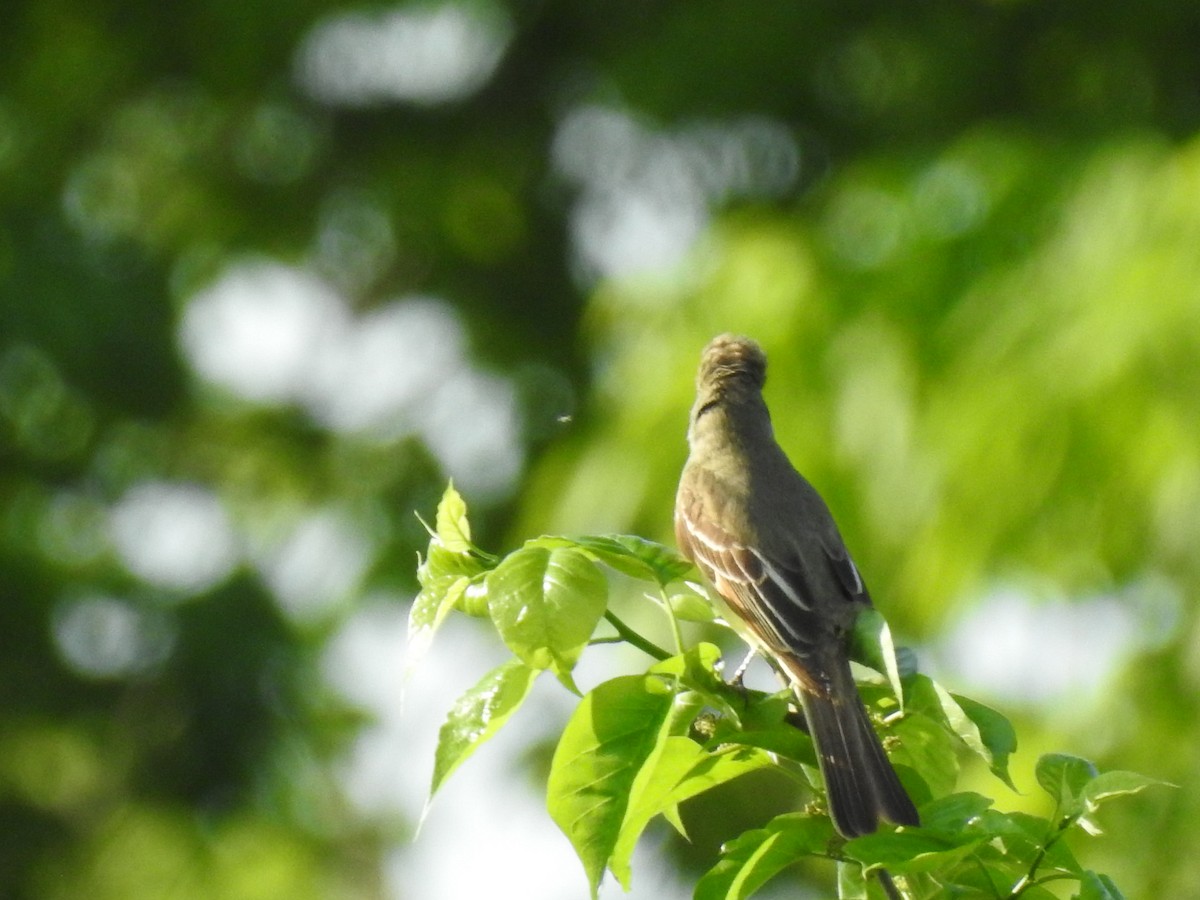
(1029, 879)
(889, 886)
(670, 610)
(628, 634)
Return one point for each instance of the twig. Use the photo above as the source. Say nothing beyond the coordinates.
(628, 634)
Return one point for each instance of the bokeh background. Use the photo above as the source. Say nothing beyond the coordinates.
(271, 273)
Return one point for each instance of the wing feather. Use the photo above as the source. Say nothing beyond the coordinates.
(769, 594)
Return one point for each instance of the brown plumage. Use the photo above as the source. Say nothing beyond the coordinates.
(766, 540)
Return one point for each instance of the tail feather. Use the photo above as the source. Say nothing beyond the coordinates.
(859, 779)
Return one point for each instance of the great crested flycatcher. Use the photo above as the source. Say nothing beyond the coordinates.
(766, 540)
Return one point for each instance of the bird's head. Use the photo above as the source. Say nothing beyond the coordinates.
(731, 361)
(732, 373)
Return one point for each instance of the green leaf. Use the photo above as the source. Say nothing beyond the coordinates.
(636, 557)
(1108, 785)
(474, 599)
(912, 850)
(1105, 787)
(983, 730)
(689, 606)
(871, 644)
(696, 668)
(442, 565)
(671, 814)
(963, 842)
(753, 858)
(1094, 886)
(650, 795)
(1022, 837)
(442, 570)
(954, 812)
(766, 728)
(710, 770)
(453, 530)
(907, 662)
(851, 881)
(429, 609)
(927, 748)
(718, 768)
(478, 714)
(446, 572)
(663, 781)
(993, 736)
(545, 604)
(970, 849)
(449, 569)
(1064, 777)
(740, 710)
(617, 730)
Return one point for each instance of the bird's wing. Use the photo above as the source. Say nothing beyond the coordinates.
(844, 569)
(773, 595)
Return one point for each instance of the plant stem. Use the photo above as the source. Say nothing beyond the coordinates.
(628, 634)
(889, 886)
(1030, 878)
(675, 630)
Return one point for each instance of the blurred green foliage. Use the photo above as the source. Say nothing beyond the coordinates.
(965, 233)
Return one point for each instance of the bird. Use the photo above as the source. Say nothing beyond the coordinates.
(766, 541)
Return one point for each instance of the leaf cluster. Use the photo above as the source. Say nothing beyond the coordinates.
(640, 745)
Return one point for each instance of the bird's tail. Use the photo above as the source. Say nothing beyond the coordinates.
(861, 784)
